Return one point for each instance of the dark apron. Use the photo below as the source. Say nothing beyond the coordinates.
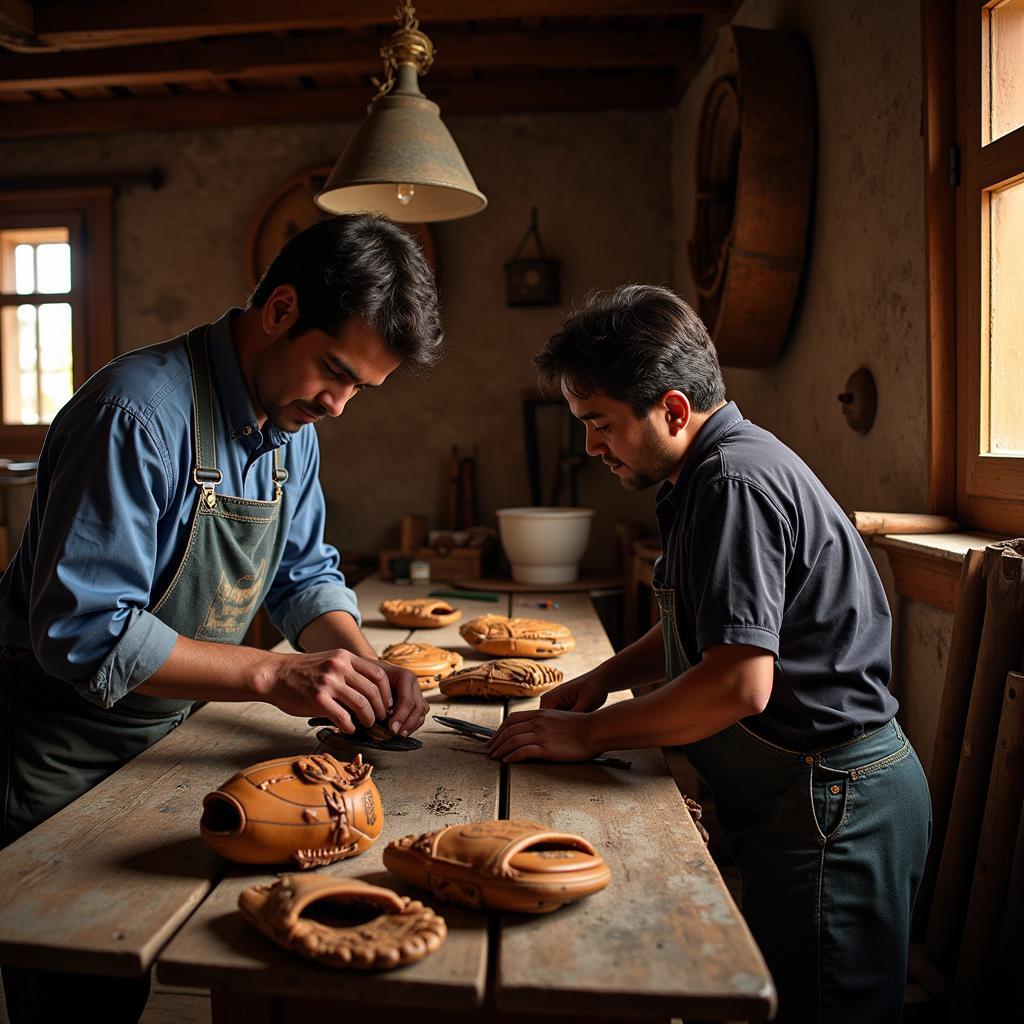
(830, 845)
(60, 745)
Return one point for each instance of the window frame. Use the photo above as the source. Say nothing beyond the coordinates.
(989, 488)
(87, 212)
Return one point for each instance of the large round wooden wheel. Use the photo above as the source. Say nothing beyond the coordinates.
(754, 184)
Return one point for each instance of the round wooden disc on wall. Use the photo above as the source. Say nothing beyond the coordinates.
(754, 186)
(290, 209)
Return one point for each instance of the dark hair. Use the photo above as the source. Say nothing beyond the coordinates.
(634, 344)
(361, 265)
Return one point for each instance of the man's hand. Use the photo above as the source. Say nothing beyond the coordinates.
(337, 685)
(584, 693)
(410, 709)
(547, 735)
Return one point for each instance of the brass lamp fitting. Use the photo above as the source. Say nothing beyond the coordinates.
(407, 45)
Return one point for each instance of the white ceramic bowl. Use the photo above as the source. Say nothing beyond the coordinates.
(544, 545)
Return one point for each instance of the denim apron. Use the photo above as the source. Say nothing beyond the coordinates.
(58, 744)
(830, 844)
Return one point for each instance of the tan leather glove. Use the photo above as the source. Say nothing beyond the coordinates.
(525, 638)
(511, 865)
(312, 809)
(404, 931)
(428, 663)
(419, 612)
(505, 677)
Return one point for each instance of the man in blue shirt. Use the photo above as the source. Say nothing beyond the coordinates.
(177, 492)
(774, 647)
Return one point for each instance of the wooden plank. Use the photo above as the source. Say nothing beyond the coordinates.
(925, 578)
(338, 52)
(421, 791)
(977, 975)
(937, 39)
(185, 113)
(1000, 651)
(678, 947)
(103, 884)
(956, 696)
(16, 19)
(70, 24)
(871, 523)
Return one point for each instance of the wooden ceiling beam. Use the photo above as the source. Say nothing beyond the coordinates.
(334, 53)
(185, 113)
(71, 24)
(17, 23)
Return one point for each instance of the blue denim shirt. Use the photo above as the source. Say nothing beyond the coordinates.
(111, 515)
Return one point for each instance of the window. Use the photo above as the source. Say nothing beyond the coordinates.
(56, 305)
(990, 264)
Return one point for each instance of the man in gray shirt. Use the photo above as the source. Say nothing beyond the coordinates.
(774, 640)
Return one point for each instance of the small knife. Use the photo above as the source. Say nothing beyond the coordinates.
(483, 732)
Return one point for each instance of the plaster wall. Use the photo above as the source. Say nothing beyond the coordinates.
(600, 182)
(862, 300)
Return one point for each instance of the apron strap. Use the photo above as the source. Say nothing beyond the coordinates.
(205, 472)
(280, 474)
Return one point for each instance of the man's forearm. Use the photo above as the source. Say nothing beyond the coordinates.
(643, 661)
(335, 631)
(200, 670)
(704, 700)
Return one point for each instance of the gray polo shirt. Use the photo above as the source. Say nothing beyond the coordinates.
(759, 553)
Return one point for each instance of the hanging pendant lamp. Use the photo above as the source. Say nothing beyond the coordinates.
(402, 161)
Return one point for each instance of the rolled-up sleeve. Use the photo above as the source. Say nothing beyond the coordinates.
(309, 582)
(106, 486)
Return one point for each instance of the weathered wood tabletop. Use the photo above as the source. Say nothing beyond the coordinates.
(105, 884)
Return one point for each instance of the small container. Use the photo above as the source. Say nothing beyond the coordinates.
(400, 569)
(419, 571)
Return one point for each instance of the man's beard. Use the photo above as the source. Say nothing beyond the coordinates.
(655, 461)
(638, 481)
(279, 411)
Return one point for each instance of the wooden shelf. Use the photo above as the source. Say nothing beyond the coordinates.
(927, 565)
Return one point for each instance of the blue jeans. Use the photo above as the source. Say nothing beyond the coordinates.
(830, 846)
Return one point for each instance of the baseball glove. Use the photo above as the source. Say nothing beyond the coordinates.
(524, 638)
(506, 677)
(312, 809)
(510, 865)
(428, 663)
(419, 612)
(403, 931)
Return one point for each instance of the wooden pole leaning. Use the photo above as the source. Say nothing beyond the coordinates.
(1000, 651)
(977, 981)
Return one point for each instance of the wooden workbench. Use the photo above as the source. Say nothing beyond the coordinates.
(120, 880)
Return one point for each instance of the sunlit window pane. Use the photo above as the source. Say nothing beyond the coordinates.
(29, 408)
(1005, 67)
(55, 336)
(24, 269)
(27, 348)
(56, 390)
(53, 267)
(1006, 321)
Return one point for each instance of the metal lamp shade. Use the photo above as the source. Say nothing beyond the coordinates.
(402, 141)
